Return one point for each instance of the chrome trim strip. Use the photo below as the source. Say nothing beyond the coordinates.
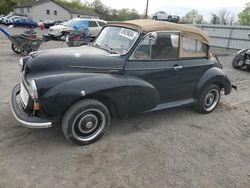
(149, 68)
(98, 68)
(24, 95)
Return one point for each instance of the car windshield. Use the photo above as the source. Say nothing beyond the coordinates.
(116, 39)
(71, 23)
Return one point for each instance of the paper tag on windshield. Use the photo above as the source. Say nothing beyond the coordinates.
(128, 33)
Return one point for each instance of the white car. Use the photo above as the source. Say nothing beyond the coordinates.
(94, 26)
(161, 15)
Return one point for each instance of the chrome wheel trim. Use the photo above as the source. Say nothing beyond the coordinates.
(211, 99)
(89, 135)
(90, 126)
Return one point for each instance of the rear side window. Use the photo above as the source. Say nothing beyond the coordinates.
(101, 23)
(193, 46)
(92, 24)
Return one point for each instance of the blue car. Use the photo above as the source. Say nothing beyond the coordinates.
(25, 22)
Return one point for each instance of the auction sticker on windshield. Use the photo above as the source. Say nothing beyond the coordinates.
(130, 34)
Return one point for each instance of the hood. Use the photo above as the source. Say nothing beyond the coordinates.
(58, 27)
(76, 59)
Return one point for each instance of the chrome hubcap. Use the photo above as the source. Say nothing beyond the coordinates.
(88, 124)
(211, 99)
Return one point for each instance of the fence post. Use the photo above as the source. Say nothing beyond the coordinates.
(230, 37)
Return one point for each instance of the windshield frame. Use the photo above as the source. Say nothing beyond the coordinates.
(118, 54)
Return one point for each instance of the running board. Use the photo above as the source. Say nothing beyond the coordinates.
(173, 104)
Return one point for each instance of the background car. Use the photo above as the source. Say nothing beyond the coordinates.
(161, 15)
(5, 19)
(10, 20)
(24, 22)
(48, 23)
(94, 26)
(1, 17)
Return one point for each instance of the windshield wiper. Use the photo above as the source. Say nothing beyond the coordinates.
(106, 47)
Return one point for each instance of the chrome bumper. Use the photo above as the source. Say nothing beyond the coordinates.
(24, 118)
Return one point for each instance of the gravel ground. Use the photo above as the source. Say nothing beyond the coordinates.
(170, 148)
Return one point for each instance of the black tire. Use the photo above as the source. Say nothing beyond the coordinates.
(208, 100)
(236, 64)
(248, 67)
(170, 19)
(85, 122)
(154, 17)
(15, 49)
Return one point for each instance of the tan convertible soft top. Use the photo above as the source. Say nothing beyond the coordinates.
(148, 25)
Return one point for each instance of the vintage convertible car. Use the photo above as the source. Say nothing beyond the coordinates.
(133, 67)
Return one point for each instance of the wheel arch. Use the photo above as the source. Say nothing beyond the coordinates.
(215, 76)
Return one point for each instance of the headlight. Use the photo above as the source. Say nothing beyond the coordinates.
(33, 90)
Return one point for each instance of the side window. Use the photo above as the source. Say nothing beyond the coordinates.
(193, 46)
(92, 24)
(101, 23)
(158, 46)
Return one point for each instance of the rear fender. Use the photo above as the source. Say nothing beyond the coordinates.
(213, 75)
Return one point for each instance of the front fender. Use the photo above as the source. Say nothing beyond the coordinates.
(213, 75)
(56, 100)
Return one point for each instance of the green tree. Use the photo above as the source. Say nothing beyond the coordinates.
(193, 17)
(214, 19)
(134, 15)
(100, 9)
(244, 16)
(76, 4)
(6, 6)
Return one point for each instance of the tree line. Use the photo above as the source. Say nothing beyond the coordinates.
(224, 17)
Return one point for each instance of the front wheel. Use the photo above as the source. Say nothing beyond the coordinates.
(208, 99)
(85, 122)
(238, 63)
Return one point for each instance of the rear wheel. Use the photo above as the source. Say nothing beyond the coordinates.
(209, 99)
(170, 19)
(85, 122)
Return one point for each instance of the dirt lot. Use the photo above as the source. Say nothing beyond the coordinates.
(171, 148)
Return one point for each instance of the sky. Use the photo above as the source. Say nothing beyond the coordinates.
(179, 7)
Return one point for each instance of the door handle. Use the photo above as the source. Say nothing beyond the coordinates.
(177, 67)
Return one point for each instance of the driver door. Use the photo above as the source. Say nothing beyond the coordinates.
(156, 61)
